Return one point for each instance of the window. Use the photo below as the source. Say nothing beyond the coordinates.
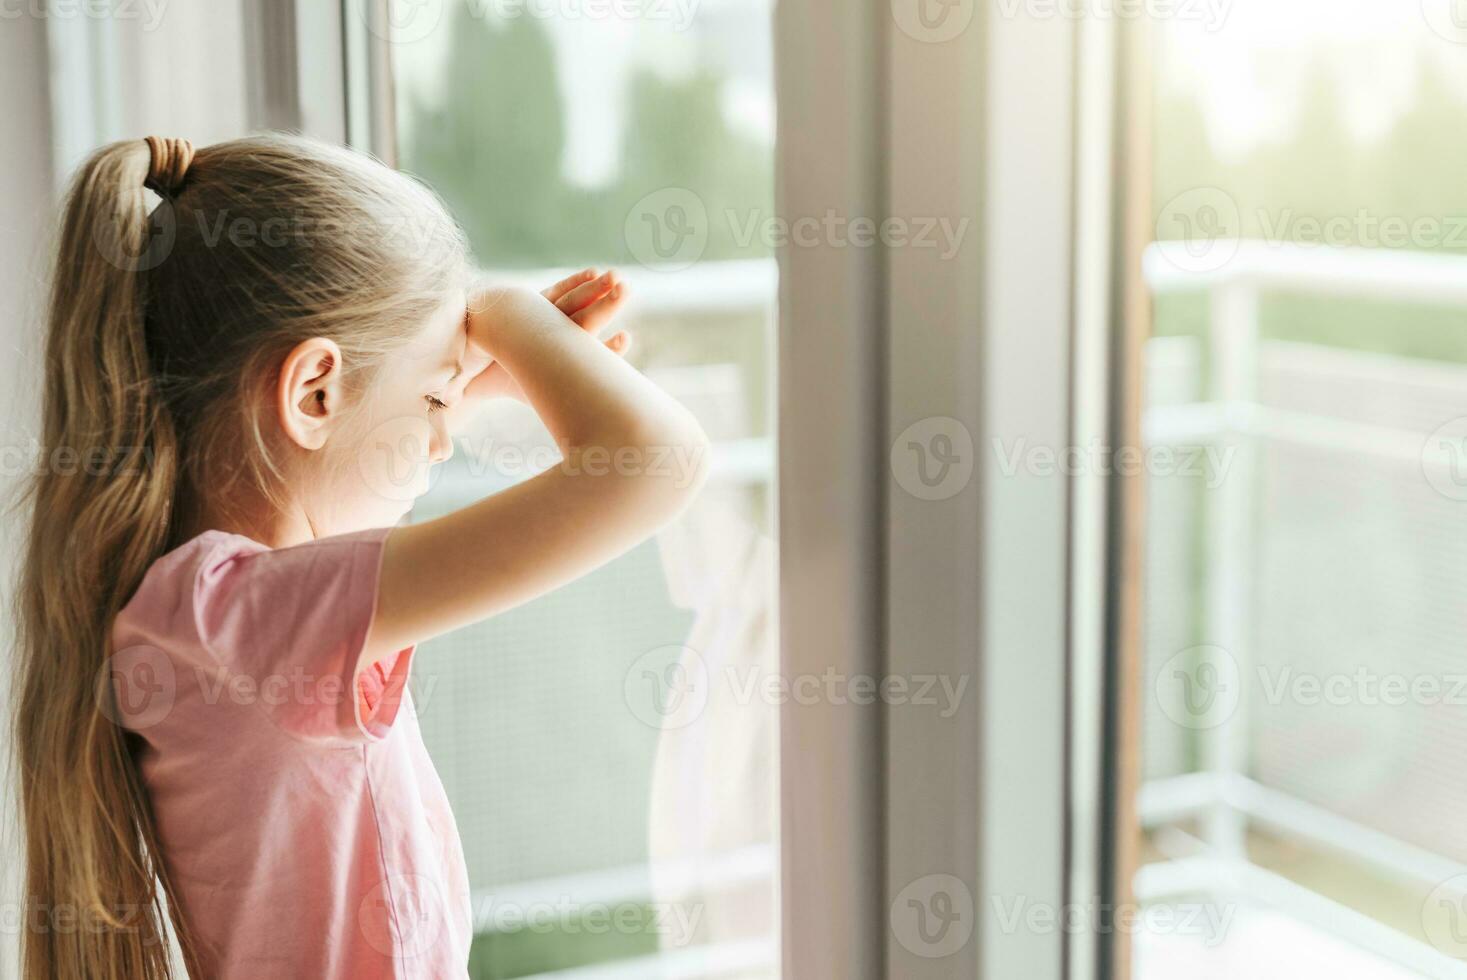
(609, 750)
(1302, 727)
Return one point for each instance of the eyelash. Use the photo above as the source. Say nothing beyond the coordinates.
(434, 404)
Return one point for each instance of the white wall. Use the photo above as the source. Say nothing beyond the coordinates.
(125, 77)
(25, 200)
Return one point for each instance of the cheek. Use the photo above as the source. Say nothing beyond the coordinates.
(391, 463)
(373, 469)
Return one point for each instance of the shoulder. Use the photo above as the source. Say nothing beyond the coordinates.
(167, 599)
(222, 574)
(204, 563)
(184, 562)
(302, 599)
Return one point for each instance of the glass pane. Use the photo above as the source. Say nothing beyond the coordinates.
(1303, 727)
(611, 764)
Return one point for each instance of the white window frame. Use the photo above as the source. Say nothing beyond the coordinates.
(874, 121)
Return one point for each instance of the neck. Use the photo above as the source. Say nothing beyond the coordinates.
(272, 526)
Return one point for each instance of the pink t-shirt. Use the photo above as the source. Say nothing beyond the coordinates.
(300, 819)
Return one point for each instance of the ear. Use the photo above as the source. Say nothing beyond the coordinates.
(309, 395)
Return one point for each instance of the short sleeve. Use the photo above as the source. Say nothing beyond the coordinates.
(288, 627)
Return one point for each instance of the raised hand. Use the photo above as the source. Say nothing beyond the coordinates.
(591, 301)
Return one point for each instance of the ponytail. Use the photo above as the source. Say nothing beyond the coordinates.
(96, 896)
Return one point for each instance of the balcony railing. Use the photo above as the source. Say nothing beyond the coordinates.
(1221, 797)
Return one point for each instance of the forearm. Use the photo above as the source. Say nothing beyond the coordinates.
(587, 396)
(507, 549)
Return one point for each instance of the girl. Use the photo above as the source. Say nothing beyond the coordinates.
(218, 618)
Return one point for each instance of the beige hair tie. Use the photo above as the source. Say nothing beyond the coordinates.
(169, 164)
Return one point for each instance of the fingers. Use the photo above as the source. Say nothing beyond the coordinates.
(554, 293)
(595, 317)
(582, 296)
(620, 343)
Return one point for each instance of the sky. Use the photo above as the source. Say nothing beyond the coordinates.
(1248, 72)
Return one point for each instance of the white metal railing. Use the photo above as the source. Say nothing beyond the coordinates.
(1242, 883)
(692, 882)
(700, 875)
(1417, 277)
(1221, 796)
(1180, 797)
(751, 957)
(738, 286)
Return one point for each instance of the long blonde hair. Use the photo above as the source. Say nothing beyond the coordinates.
(165, 324)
